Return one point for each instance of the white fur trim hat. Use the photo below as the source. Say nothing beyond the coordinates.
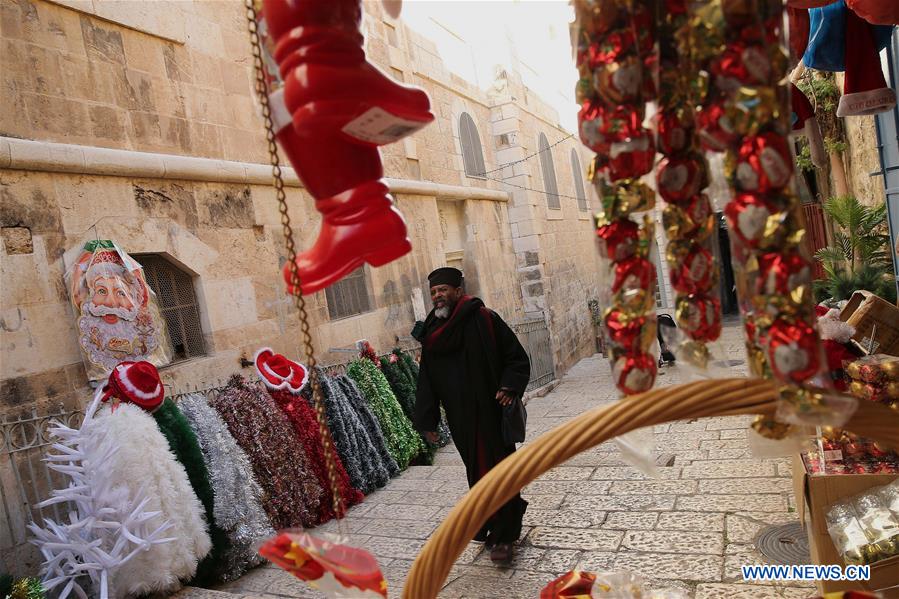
(137, 383)
(279, 373)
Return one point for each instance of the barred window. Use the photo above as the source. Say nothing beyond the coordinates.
(549, 173)
(177, 300)
(578, 181)
(349, 296)
(472, 153)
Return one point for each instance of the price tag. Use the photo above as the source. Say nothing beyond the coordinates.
(377, 126)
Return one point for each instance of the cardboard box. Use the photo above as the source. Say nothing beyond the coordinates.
(872, 315)
(814, 495)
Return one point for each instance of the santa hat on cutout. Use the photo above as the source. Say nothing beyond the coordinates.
(137, 383)
(278, 373)
(865, 90)
(805, 123)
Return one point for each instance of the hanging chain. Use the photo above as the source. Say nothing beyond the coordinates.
(299, 300)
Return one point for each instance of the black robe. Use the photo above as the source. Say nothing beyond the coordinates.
(465, 360)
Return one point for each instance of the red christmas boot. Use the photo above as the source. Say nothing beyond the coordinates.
(342, 108)
(329, 84)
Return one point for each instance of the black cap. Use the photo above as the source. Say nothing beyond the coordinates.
(446, 276)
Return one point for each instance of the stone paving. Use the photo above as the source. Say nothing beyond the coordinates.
(691, 528)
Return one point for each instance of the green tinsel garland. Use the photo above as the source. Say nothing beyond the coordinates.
(26, 588)
(404, 390)
(400, 384)
(410, 367)
(408, 363)
(403, 442)
(183, 443)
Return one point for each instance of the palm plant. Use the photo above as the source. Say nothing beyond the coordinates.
(859, 258)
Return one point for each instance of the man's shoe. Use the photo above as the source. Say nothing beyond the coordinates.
(501, 554)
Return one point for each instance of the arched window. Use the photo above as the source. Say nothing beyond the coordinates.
(177, 300)
(578, 175)
(549, 173)
(472, 154)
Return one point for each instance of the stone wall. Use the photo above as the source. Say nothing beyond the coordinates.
(72, 77)
(863, 159)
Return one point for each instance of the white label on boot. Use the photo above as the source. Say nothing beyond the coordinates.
(280, 115)
(377, 126)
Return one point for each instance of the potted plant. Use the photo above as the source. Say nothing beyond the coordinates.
(859, 256)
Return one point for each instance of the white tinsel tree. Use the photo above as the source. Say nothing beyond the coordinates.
(106, 525)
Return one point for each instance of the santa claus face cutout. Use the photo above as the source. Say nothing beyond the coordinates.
(116, 313)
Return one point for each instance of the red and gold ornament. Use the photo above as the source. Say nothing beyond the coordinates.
(633, 273)
(699, 316)
(679, 179)
(756, 221)
(782, 273)
(619, 239)
(634, 373)
(619, 81)
(600, 126)
(793, 350)
(693, 270)
(741, 64)
(764, 163)
(674, 131)
(633, 158)
(715, 130)
(631, 333)
(692, 219)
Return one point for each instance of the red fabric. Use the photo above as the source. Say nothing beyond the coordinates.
(809, 3)
(437, 332)
(799, 32)
(302, 417)
(876, 12)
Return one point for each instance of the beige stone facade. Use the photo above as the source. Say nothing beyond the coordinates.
(145, 130)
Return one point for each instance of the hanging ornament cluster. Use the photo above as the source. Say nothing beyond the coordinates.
(615, 59)
(688, 218)
(744, 111)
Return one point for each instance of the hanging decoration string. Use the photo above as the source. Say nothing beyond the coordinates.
(526, 158)
(299, 300)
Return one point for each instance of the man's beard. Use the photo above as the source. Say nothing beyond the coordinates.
(442, 312)
(122, 313)
(94, 330)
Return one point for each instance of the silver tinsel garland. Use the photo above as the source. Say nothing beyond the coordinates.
(358, 450)
(359, 405)
(237, 506)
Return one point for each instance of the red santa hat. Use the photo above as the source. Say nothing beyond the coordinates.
(865, 90)
(137, 383)
(805, 123)
(278, 373)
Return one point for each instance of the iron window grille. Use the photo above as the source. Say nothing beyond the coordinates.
(349, 296)
(178, 304)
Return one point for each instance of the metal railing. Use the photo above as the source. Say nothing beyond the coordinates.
(534, 336)
(25, 479)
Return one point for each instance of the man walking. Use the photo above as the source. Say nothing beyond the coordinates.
(473, 364)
